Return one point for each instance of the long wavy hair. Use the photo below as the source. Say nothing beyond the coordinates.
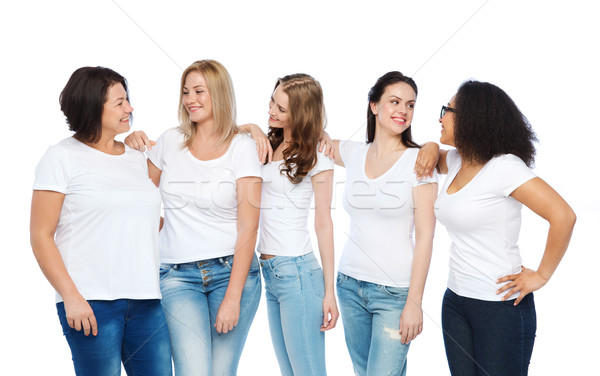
(488, 123)
(375, 94)
(307, 120)
(220, 89)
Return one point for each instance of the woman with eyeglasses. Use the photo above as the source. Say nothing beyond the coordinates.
(488, 312)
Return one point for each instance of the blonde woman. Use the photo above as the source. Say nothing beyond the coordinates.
(300, 294)
(209, 179)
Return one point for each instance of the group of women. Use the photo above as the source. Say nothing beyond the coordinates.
(187, 295)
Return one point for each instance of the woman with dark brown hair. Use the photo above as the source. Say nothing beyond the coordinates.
(386, 258)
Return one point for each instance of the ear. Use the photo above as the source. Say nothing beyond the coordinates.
(373, 107)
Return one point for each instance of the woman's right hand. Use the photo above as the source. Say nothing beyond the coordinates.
(80, 315)
(263, 145)
(139, 141)
(427, 160)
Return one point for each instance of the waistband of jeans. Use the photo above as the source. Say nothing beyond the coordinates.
(199, 263)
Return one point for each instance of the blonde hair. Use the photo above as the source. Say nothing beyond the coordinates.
(307, 119)
(220, 89)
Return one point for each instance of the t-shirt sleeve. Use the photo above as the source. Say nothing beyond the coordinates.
(412, 160)
(52, 172)
(245, 158)
(324, 163)
(162, 144)
(510, 172)
(348, 149)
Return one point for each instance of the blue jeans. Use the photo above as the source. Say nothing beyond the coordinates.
(486, 337)
(192, 293)
(371, 317)
(295, 290)
(130, 331)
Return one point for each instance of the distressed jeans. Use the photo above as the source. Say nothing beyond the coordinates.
(371, 318)
(294, 291)
(192, 294)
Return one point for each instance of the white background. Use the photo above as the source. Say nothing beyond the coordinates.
(543, 53)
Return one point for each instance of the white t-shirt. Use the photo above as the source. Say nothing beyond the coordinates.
(285, 208)
(107, 233)
(200, 197)
(380, 241)
(483, 222)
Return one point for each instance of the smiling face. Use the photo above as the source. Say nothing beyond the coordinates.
(279, 115)
(196, 98)
(447, 121)
(115, 115)
(395, 109)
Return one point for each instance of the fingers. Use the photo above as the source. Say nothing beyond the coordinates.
(147, 143)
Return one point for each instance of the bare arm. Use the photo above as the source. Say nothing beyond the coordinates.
(45, 213)
(411, 319)
(248, 193)
(538, 196)
(323, 187)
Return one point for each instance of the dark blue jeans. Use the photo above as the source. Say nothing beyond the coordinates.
(488, 338)
(133, 332)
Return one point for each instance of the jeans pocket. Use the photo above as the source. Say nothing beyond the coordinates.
(285, 270)
(164, 271)
(400, 293)
(340, 279)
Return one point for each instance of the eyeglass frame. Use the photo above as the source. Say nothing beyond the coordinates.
(446, 109)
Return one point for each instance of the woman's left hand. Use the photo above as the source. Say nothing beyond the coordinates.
(227, 316)
(427, 159)
(525, 282)
(411, 321)
(330, 312)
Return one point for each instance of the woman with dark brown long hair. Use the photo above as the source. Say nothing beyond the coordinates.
(386, 258)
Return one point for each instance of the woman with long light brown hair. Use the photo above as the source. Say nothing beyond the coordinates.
(300, 294)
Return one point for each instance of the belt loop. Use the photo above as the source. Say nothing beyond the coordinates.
(175, 266)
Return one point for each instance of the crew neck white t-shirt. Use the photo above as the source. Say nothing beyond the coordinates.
(200, 197)
(285, 208)
(483, 222)
(107, 234)
(380, 243)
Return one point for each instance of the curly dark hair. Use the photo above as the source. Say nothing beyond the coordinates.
(374, 96)
(488, 123)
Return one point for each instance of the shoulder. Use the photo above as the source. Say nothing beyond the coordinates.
(242, 142)
(171, 134)
(350, 148)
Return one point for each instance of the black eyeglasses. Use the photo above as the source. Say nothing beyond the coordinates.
(446, 109)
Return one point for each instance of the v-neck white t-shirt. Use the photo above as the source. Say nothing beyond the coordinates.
(483, 222)
(285, 208)
(200, 197)
(380, 243)
(107, 233)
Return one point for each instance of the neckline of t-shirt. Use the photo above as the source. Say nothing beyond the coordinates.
(364, 164)
(87, 147)
(466, 185)
(210, 161)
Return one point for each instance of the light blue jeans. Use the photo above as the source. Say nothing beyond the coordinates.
(371, 318)
(295, 290)
(192, 293)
